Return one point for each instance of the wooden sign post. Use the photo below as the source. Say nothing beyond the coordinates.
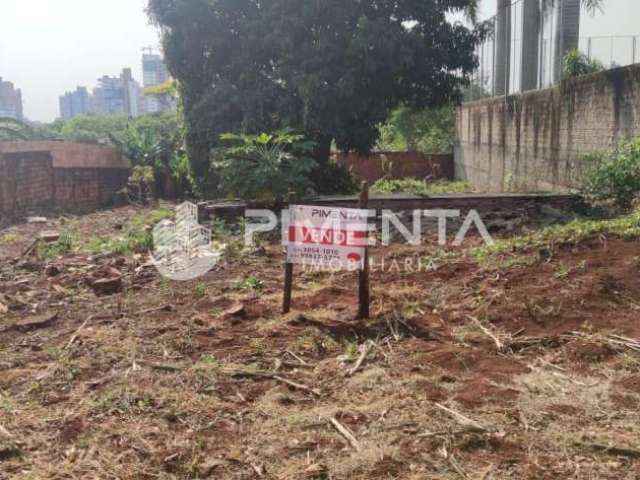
(288, 270)
(363, 308)
(330, 237)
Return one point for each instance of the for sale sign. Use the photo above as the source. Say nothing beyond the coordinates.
(326, 237)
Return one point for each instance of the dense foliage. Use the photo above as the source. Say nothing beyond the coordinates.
(429, 131)
(576, 63)
(13, 130)
(265, 166)
(331, 70)
(614, 175)
(419, 187)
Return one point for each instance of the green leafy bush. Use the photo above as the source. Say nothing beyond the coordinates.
(576, 63)
(419, 187)
(334, 179)
(613, 178)
(265, 166)
(430, 130)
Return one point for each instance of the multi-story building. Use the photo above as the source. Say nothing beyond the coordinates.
(112, 95)
(154, 72)
(10, 101)
(75, 103)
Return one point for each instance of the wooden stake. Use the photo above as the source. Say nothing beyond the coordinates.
(288, 270)
(363, 310)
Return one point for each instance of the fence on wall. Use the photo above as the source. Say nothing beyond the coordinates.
(527, 43)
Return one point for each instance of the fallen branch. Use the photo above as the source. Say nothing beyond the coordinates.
(364, 349)
(499, 345)
(302, 362)
(278, 378)
(74, 337)
(342, 430)
(454, 433)
(164, 367)
(620, 451)
(164, 308)
(466, 422)
(30, 248)
(5, 432)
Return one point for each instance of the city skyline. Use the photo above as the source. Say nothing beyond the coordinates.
(72, 51)
(120, 94)
(48, 48)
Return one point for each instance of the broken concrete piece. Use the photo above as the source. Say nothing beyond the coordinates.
(37, 321)
(49, 236)
(29, 266)
(107, 286)
(236, 311)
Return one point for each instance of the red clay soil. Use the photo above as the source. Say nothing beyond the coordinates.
(164, 381)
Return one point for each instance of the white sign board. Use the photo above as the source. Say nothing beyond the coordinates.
(327, 237)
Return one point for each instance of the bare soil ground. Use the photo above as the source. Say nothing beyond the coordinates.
(517, 369)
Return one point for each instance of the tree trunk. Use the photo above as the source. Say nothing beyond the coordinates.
(503, 48)
(530, 44)
(567, 33)
(322, 152)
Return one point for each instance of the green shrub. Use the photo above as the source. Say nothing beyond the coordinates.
(62, 246)
(334, 179)
(265, 166)
(613, 178)
(419, 187)
(576, 63)
(430, 130)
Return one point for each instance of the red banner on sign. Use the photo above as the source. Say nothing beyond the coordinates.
(327, 236)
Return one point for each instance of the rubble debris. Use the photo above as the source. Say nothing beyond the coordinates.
(36, 321)
(52, 271)
(237, 311)
(37, 220)
(29, 266)
(49, 236)
(107, 286)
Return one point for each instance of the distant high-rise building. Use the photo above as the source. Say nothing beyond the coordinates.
(75, 103)
(113, 95)
(154, 72)
(10, 101)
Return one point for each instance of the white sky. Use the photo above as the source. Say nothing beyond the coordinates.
(50, 46)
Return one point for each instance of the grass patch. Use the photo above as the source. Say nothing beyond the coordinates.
(64, 245)
(252, 283)
(8, 238)
(626, 227)
(419, 187)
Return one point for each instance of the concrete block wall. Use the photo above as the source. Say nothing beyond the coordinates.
(46, 176)
(536, 141)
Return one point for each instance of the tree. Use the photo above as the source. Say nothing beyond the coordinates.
(428, 131)
(12, 130)
(332, 70)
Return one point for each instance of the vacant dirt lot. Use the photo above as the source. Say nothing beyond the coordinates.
(520, 367)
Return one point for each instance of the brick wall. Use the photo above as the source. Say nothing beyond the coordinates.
(536, 141)
(397, 165)
(38, 177)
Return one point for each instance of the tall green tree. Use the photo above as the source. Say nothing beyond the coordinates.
(331, 69)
